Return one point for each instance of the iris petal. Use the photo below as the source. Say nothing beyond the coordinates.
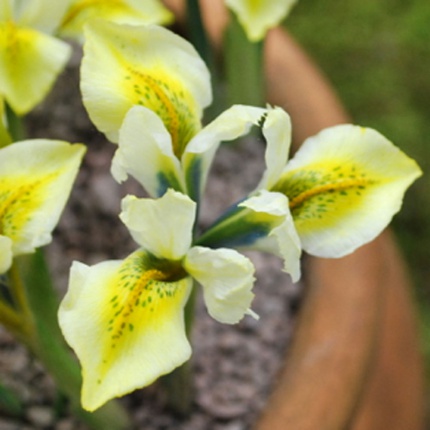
(124, 319)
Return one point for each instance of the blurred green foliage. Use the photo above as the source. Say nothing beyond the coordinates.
(377, 56)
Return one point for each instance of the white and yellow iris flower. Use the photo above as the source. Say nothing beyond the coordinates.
(259, 16)
(125, 319)
(36, 177)
(122, 11)
(146, 89)
(30, 57)
(341, 189)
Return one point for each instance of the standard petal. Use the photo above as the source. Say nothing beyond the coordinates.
(344, 185)
(231, 124)
(36, 177)
(30, 62)
(127, 65)
(256, 17)
(277, 132)
(133, 12)
(145, 152)
(124, 320)
(227, 278)
(5, 254)
(163, 226)
(283, 239)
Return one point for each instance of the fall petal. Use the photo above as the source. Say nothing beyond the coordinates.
(30, 62)
(125, 323)
(127, 65)
(36, 177)
(344, 185)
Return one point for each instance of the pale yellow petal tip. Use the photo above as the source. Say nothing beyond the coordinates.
(258, 17)
(122, 11)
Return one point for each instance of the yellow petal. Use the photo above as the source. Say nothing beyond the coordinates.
(344, 185)
(258, 16)
(162, 226)
(30, 62)
(227, 278)
(36, 177)
(124, 319)
(121, 11)
(126, 65)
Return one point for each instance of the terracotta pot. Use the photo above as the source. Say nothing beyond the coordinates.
(354, 362)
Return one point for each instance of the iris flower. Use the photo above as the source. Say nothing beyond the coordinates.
(138, 92)
(341, 189)
(30, 57)
(122, 11)
(258, 16)
(125, 319)
(36, 177)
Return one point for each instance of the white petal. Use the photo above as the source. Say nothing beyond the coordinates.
(163, 226)
(283, 240)
(145, 152)
(231, 124)
(227, 279)
(277, 132)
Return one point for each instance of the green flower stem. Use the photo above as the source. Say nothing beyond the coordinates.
(19, 294)
(243, 67)
(200, 40)
(197, 32)
(12, 321)
(10, 402)
(15, 124)
(179, 384)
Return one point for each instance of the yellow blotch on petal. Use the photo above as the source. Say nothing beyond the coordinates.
(161, 93)
(320, 190)
(138, 297)
(20, 197)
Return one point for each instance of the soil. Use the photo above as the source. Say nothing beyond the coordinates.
(234, 366)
